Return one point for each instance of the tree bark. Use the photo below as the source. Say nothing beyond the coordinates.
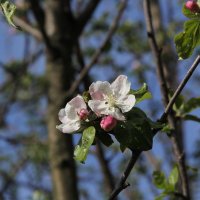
(60, 74)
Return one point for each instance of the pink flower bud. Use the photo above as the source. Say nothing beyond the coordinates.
(192, 6)
(108, 123)
(83, 114)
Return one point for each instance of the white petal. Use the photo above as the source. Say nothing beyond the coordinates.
(99, 90)
(126, 103)
(62, 116)
(99, 107)
(71, 112)
(116, 113)
(69, 127)
(78, 103)
(121, 86)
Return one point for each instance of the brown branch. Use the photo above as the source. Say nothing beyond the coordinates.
(179, 154)
(100, 50)
(86, 15)
(180, 87)
(122, 183)
(40, 18)
(27, 28)
(156, 51)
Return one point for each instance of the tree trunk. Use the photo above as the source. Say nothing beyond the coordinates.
(60, 74)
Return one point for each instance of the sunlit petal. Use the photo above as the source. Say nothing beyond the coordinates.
(99, 90)
(70, 127)
(126, 103)
(121, 86)
(99, 107)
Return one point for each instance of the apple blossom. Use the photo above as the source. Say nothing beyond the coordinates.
(192, 6)
(111, 99)
(71, 116)
(108, 123)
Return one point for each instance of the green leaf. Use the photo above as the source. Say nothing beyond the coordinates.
(191, 104)
(145, 96)
(8, 11)
(142, 93)
(81, 150)
(173, 177)
(190, 14)
(187, 40)
(167, 129)
(192, 118)
(136, 132)
(86, 96)
(159, 179)
(105, 138)
(178, 103)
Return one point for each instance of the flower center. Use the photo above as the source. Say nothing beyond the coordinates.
(111, 101)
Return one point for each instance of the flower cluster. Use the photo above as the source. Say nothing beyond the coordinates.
(108, 102)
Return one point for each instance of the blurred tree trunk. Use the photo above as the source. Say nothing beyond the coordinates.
(60, 74)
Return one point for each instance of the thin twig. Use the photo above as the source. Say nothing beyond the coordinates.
(179, 154)
(122, 183)
(134, 158)
(100, 50)
(156, 51)
(27, 28)
(180, 87)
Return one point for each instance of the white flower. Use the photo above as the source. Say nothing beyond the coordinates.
(111, 99)
(71, 115)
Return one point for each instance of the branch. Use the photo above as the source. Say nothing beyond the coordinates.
(27, 28)
(86, 15)
(179, 154)
(122, 183)
(135, 155)
(98, 53)
(40, 18)
(180, 88)
(156, 51)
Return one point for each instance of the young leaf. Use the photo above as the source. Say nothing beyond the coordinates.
(8, 10)
(173, 177)
(191, 104)
(192, 118)
(142, 93)
(167, 129)
(187, 40)
(81, 150)
(159, 179)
